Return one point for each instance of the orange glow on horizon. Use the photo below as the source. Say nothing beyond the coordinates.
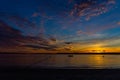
(97, 48)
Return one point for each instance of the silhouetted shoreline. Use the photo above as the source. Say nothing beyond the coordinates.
(109, 53)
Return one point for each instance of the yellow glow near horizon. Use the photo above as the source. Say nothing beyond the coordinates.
(97, 48)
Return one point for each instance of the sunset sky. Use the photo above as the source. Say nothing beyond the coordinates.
(58, 26)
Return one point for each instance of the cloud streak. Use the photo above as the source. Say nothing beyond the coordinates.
(12, 38)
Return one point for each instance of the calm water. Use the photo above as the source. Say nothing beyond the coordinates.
(61, 61)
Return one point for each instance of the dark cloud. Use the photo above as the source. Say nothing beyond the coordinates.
(52, 38)
(11, 38)
(68, 42)
(37, 46)
(18, 20)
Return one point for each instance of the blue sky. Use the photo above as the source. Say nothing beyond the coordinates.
(59, 25)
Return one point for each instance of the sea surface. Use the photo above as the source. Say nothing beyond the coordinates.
(68, 61)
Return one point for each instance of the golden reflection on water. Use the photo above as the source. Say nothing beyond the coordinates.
(97, 59)
(86, 61)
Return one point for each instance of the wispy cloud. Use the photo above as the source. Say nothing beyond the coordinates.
(12, 38)
(19, 21)
(90, 8)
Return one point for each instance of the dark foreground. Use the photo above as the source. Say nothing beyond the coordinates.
(59, 74)
(35, 72)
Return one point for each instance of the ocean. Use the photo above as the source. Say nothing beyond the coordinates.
(67, 61)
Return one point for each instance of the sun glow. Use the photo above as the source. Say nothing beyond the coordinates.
(97, 48)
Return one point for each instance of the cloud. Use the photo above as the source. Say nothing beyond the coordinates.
(45, 47)
(102, 28)
(70, 13)
(73, 11)
(90, 8)
(35, 14)
(12, 38)
(9, 36)
(76, 8)
(80, 32)
(118, 23)
(102, 42)
(18, 20)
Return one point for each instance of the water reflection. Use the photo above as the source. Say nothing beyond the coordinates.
(84, 61)
(96, 60)
(62, 61)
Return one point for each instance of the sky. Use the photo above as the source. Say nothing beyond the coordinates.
(59, 26)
